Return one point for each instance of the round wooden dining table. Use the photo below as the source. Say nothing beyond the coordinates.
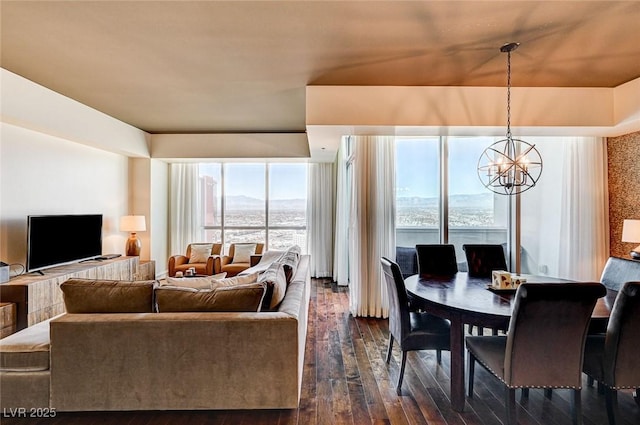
(467, 300)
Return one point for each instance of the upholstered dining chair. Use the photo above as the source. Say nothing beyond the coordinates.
(617, 271)
(413, 330)
(201, 256)
(437, 259)
(612, 359)
(544, 344)
(407, 260)
(484, 258)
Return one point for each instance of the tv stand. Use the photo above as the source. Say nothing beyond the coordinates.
(38, 297)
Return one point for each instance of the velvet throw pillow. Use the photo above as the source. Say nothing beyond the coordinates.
(276, 285)
(107, 296)
(237, 298)
(200, 253)
(242, 252)
(193, 282)
(236, 280)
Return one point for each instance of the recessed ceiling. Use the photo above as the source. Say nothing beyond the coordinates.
(238, 66)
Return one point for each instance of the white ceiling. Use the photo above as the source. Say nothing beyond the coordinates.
(240, 66)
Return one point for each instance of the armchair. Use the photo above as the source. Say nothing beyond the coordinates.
(202, 256)
(238, 258)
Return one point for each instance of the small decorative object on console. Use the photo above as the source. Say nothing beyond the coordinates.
(501, 279)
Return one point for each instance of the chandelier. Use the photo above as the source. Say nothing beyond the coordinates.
(509, 166)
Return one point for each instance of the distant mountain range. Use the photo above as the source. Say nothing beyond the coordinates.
(248, 203)
(481, 200)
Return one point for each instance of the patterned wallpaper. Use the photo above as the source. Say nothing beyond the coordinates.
(624, 188)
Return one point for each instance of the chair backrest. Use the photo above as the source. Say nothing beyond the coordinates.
(232, 249)
(407, 260)
(547, 333)
(620, 362)
(437, 259)
(399, 324)
(483, 259)
(216, 248)
(617, 271)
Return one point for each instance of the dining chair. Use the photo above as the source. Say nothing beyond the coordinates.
(413, 330)
(484, 258)
(407, 260)
(544, 344)
(617, 271)
(612, 359)
(437, 259)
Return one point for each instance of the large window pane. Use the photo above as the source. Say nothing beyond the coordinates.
(287, 195)
(211, 195)
(244, 195)
(281, 239)
(243, 235)
(476, 215)
(417, 191)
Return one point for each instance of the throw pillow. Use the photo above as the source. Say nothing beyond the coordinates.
(290, 259)
(276, 281)
(236, 280)
(193, 282)
(236, 298)
(200, 253)
(107, 296)
(242, 252)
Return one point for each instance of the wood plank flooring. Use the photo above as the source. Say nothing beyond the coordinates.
(346, 381)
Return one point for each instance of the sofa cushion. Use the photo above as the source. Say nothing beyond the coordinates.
(26, 350)
(242, 252)
(276, 283)
(235, 280)
(108, 296)
(246, 297)
(192, 282)
(200, 253)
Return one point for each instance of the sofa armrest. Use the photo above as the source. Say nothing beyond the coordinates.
(176, 260)
(226, 260)
(213, 265)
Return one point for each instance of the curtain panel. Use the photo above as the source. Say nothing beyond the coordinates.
(185, 212)
(584, 221)
(320, 218)
(372, 224)
(341, 240)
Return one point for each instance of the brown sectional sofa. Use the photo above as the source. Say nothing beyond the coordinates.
(164, 361)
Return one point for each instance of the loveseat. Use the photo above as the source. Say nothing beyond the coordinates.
(161, 361)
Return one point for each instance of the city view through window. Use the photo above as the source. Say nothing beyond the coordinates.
(255, 202)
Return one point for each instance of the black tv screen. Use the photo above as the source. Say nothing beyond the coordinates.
(60, 239)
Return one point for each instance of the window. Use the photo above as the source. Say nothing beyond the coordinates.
(255, 202)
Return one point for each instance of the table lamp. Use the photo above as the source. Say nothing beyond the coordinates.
(631, 233)
(133, 224)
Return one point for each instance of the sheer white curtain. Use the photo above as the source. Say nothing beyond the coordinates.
(584, 222)
(185, 211)
(320, 212)
(372, 223)
(343, 206)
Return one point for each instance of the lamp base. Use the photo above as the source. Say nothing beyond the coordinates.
(133, 246)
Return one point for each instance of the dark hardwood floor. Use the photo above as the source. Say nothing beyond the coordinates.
(346, 381)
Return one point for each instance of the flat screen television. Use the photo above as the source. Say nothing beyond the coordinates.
(54, 240)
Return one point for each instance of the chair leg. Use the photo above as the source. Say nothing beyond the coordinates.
(480, 330)
(439, 356)
(472, 364)
(525, 393)
(390, 348)
(576, 407)
(590, 381)
(510, 405)
(601, 388)
(548, 393)
(611, 397)
(636, 396)
(401, 373)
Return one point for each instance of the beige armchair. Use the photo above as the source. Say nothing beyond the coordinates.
(202, 256)
(233, 264)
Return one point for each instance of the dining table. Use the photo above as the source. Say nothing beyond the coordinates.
(463, 299)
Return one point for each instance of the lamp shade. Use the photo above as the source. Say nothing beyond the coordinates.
(631, 231)
(133, 223)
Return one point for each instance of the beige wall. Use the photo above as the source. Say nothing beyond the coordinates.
(41, 174)
(624, 197)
